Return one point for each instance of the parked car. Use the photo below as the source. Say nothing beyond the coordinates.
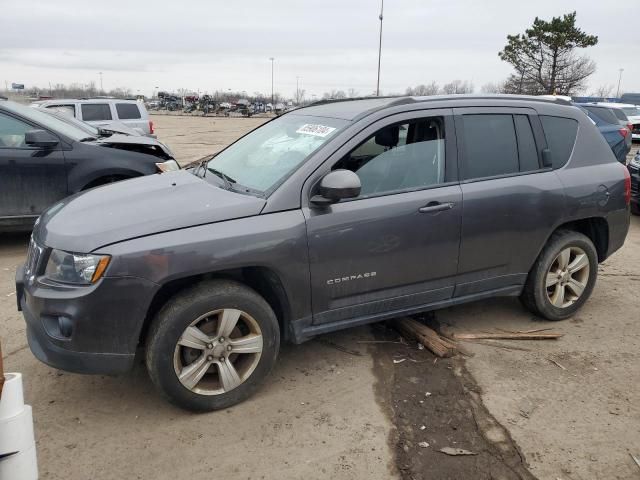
(631, 114)
(119, 136)
(617, 136)
(101, 112)
(44, 159)
(634, 171)
(327, 217)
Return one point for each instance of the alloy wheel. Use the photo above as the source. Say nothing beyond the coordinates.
(218, 351)
(567, 277)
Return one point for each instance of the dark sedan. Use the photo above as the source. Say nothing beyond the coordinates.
(44, 159)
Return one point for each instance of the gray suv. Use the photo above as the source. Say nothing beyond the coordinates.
(331, 216)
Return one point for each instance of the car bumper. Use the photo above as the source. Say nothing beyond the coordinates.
(91, 329)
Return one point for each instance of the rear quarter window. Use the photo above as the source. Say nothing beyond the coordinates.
(560, 134)
(620, 115)
(128, 111)
(606, 114)
(95, 111)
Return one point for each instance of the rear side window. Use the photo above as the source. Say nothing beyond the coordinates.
(95, 111)
(67, 109)
(561, 134)
(128, 111)
(490, 146)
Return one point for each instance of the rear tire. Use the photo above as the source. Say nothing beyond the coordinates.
(635, 209)
(212, 345)
(563, 276)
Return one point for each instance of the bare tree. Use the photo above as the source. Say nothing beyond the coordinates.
(493, 87)
(334, 95)
(457, 86)
(603, 91)
(352, 93)
(300, 96)
(424, 90)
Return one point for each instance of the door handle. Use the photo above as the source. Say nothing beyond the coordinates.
(432, 207)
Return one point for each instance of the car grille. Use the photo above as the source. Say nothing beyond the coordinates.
(34, 258)
(636, 128)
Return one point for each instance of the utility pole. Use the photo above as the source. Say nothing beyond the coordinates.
(379, 48)
(619, 80)
(273, 107)
(101, 89)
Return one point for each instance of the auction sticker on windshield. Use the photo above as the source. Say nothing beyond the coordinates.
(315, 130)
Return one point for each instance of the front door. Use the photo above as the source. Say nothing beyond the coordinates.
(31, 179)
(396, 245)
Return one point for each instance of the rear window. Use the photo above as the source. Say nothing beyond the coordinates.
(620, 115)
(605, 114)
(128, 111)
(95, 111)
(561, 135)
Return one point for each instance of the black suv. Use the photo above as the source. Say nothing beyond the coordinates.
(330, 216)
(44, 159)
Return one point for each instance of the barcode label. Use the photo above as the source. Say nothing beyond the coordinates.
(315, 130)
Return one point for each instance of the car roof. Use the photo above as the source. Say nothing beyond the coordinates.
(614, 105)
(353, 109)
(87, 100)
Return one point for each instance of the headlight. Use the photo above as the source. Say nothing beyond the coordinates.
(76, 268)
(168, 166)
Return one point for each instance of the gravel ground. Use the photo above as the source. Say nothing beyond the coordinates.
(339, 408)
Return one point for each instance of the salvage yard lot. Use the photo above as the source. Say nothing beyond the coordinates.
(340, 407)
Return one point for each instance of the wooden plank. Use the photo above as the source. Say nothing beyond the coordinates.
(508, 336)
(426, 336)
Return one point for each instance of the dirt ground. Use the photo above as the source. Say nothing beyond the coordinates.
(352, 404)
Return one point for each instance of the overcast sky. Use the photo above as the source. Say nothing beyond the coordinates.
(329, 44)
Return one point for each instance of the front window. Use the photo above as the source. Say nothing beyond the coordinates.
(261, 160)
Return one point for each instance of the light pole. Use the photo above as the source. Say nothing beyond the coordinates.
(619, 80)
(272, 105)
(101, 89)
(379, 48)
(297, 90)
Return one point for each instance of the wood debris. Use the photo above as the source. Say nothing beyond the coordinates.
(426, 336)
(456, 451)
(508, 336)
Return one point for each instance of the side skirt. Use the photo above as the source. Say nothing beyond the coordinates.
(302, 330)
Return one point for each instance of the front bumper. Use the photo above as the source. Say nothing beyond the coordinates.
(91, 329)
(634, 172)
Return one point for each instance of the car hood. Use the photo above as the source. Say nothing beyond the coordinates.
(117, 127)
(117, 140)
(139, 207)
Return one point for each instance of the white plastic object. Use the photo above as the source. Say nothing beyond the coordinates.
(17, 442)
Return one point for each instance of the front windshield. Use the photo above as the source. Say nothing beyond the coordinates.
(265, 157)
(47, 121)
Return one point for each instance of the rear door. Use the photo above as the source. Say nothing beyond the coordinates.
(31, 179)
(510, 202)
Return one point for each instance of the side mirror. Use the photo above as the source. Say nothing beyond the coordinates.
(337, 185)
(547, 161)
(40, 138)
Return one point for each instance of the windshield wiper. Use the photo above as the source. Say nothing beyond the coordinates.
(228, 181)
(87, 139)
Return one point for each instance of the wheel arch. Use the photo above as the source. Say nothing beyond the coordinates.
(594, 228)
(264, 280)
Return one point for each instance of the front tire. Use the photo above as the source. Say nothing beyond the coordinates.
(563, 276)
(212, 345)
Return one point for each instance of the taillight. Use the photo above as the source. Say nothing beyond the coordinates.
(150, 127)
(627, 186)
(624, 132)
